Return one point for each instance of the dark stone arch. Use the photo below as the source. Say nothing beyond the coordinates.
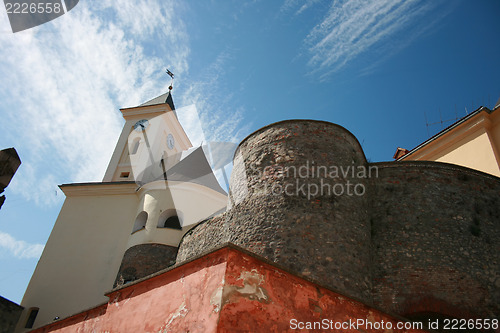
(143, 260)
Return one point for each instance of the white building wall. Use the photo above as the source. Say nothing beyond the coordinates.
(82, 255)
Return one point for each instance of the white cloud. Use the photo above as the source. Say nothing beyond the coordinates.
(20, 249)
(304, 5)
(63, 82)
(288, 5)
(43, 192)
(351, 28)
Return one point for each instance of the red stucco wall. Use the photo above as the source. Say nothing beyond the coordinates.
(176, 301)
(225, 291)
(261, 298)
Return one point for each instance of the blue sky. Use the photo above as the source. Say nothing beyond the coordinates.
(375, 67)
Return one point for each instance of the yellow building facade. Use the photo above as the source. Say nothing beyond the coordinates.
(473, 142)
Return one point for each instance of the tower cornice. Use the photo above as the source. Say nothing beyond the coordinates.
(98, 188)
(147, 111)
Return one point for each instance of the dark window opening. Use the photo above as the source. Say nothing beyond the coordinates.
(173, 222)
(124, 174)
(31, 318)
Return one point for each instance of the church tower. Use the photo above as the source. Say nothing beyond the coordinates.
(155, 189)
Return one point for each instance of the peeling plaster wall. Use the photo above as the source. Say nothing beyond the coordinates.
(224, 291)
(263, 298)
(186, 299)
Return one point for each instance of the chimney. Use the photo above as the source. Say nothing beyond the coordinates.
(400, 152)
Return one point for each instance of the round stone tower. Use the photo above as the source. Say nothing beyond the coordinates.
(417, 239)
(298, 196)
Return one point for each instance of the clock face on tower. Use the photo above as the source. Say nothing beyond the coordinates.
(170, 141)
(141, 125)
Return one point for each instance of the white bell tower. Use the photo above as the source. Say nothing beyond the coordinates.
(154, 151)
(156, 188)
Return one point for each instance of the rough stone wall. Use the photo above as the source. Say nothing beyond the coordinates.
(144, 259)
(423, 238)
(9, 315)
(278, 215)
(436, 240)
(205, 236)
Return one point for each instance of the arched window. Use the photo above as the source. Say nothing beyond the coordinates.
(135, 146)
(173, 222)
(169, 219)
(140, 221)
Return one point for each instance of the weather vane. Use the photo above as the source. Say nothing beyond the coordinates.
(172, 81)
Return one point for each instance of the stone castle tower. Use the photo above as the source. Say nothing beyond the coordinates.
(419, 239)
(407, 240)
